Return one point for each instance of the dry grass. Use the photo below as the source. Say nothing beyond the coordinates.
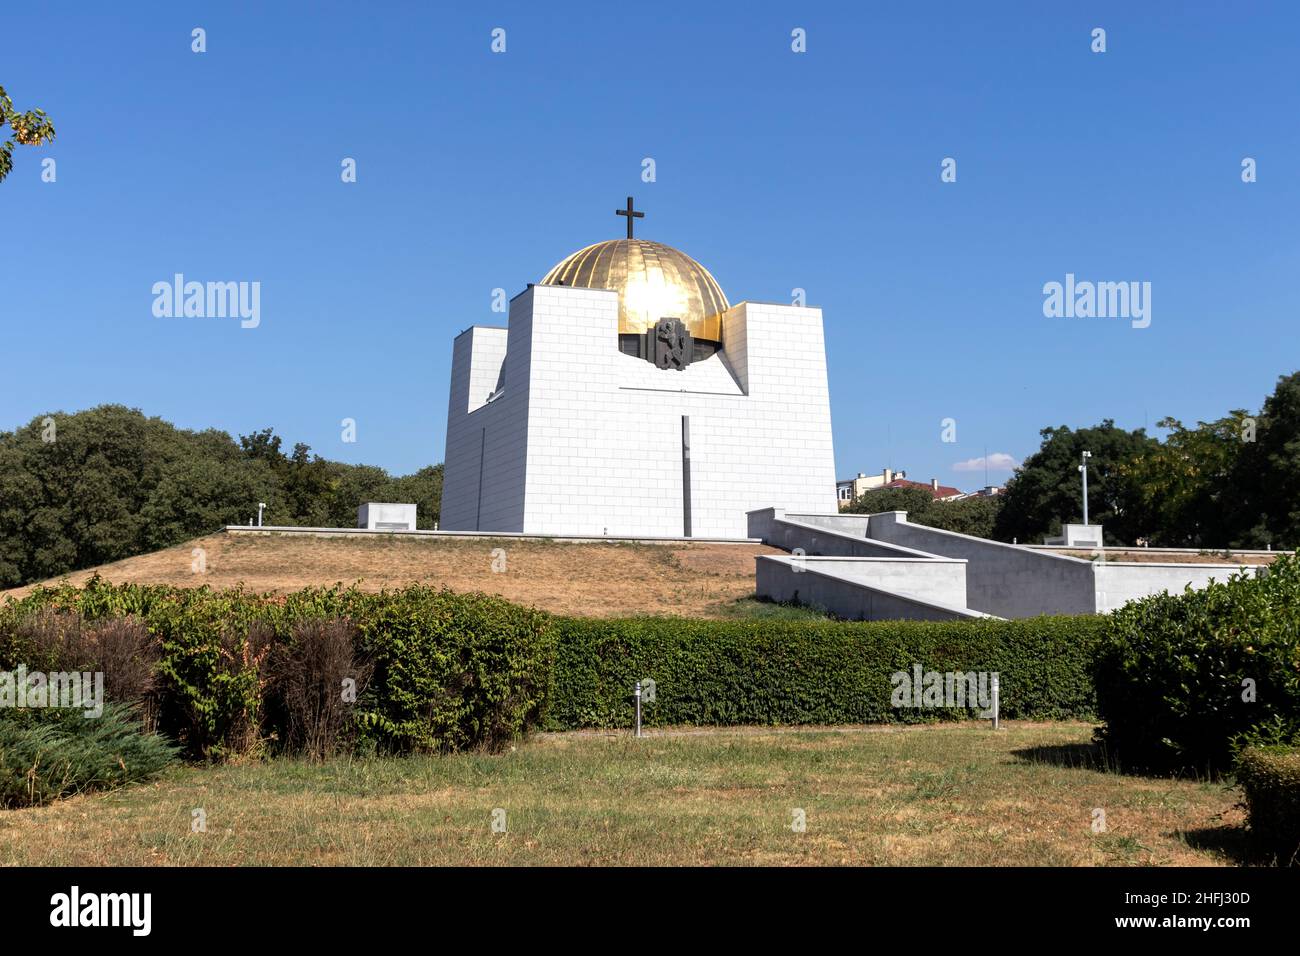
(933, 795)
(1155, 556)
(588, 579)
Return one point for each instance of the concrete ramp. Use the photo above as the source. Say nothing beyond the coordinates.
(835, 566)
(819, 539)
(829, 583)
(1002, 579)
(883, 565)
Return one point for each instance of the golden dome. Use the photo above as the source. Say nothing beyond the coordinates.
(652, 280)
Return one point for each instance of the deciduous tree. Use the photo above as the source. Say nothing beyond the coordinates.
(32, 128)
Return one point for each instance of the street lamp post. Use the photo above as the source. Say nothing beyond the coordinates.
(262, 504)
(1083, 470)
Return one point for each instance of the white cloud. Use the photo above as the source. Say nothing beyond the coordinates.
(998, 461)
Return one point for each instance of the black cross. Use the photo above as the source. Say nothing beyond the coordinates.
(631, 214)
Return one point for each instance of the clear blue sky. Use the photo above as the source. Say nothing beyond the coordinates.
(775, 170)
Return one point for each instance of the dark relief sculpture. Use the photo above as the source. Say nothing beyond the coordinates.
(673, 346)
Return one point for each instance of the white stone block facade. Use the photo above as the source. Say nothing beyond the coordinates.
(579, 438)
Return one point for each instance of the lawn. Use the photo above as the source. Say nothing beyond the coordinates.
(942, 794)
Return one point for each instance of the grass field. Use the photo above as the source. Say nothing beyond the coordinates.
(949, 794)
(587, 579)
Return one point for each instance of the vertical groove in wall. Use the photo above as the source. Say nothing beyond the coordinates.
(478, 509)
(686, 475)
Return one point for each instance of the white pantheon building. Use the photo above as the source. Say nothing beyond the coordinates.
(628, 398)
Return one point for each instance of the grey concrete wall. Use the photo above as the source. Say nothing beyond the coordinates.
(1001, 579)
(777, 579)
(845, 524)
(931, 579)
(1119, 582)
(758, 524)
(790, 534)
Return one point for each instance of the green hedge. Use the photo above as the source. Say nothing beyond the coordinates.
(451, 671)
(1270, 778)
(809, 672)
(446, 671)
(1176, 674)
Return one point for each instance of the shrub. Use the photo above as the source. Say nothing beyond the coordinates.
(1176, 673)
(1270, 778)
(307, 677)
(122, 649)
(128, 655)
(48, 754)
(805, 672)
(206, 682)
(451, 671)
(214, 651)
(96, 599)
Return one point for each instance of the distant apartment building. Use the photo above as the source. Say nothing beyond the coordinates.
(849, 488)
(940, 492)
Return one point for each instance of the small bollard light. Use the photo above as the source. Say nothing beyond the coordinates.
(995, 702)
(637, 695)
